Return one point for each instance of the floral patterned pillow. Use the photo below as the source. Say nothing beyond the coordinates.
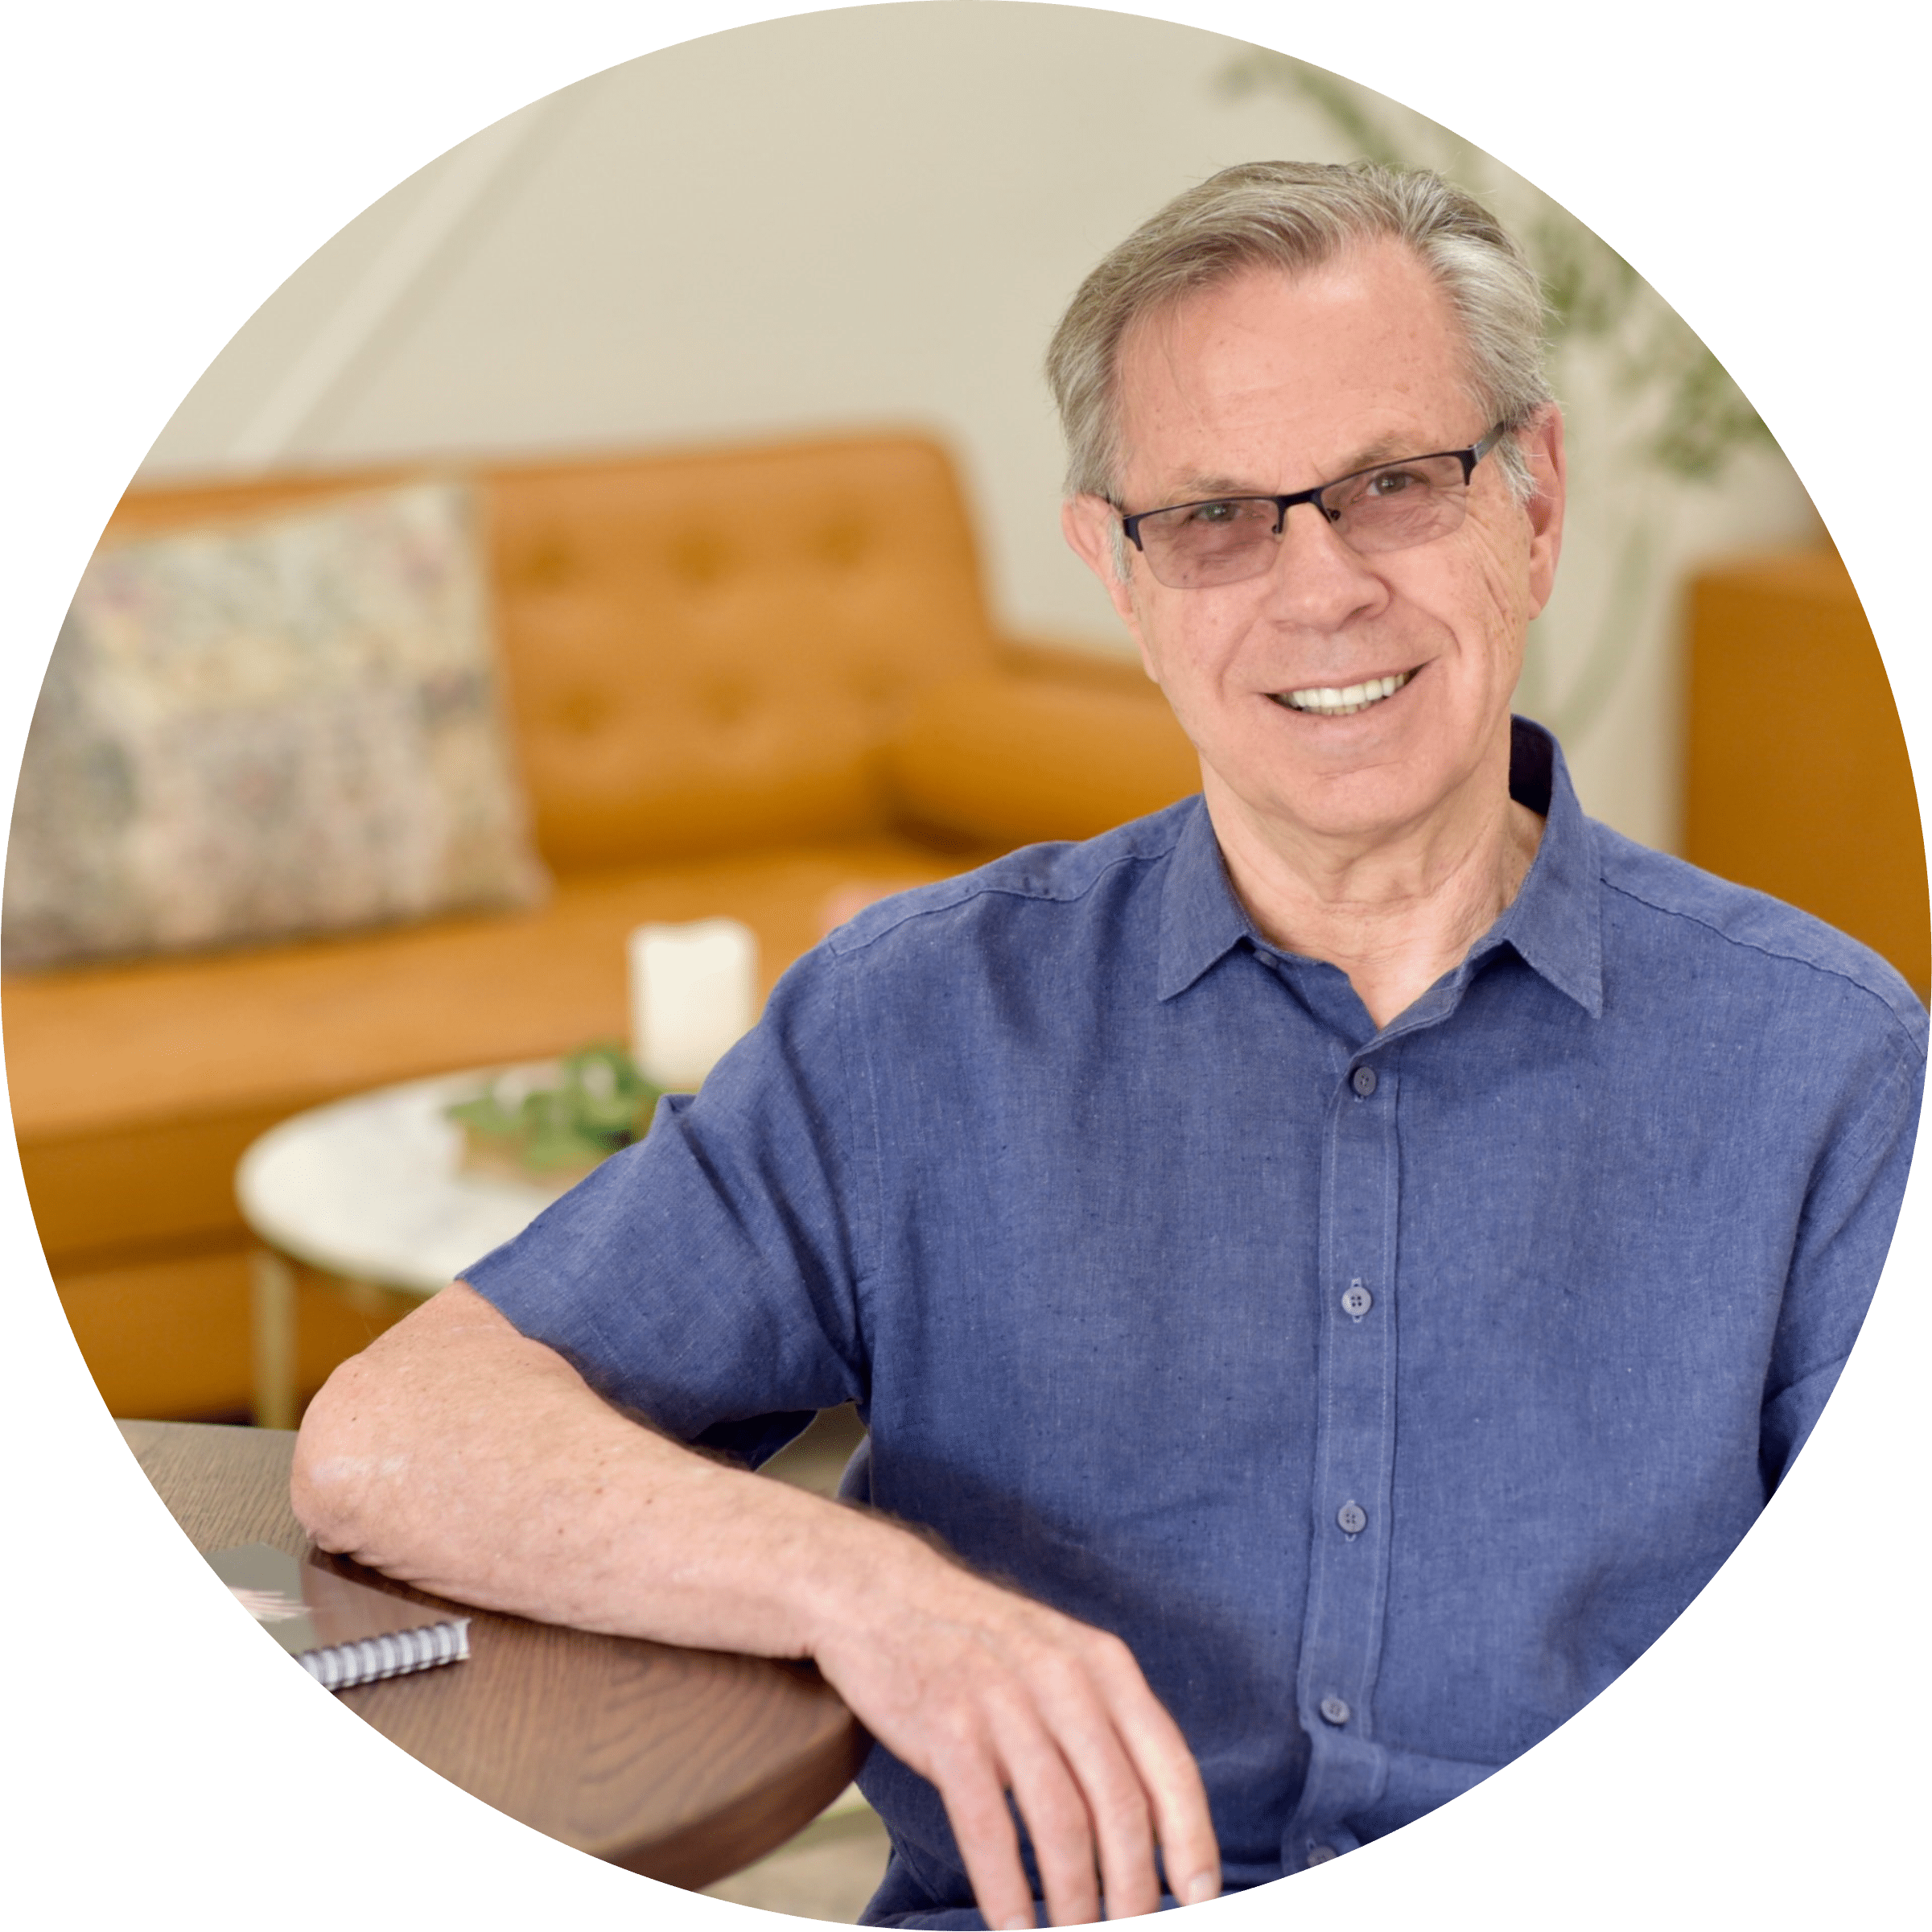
(286, 727)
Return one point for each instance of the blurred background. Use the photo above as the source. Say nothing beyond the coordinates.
(703, 562)
(875, 217)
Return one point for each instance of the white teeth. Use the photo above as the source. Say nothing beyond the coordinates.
(1325, 701)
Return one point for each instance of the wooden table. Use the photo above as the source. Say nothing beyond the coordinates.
(682, 1765)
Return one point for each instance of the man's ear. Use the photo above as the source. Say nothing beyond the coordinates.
(1542, 448)
(1091, 526)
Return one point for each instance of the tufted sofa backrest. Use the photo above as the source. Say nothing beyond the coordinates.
(704, 650)
(711, 650)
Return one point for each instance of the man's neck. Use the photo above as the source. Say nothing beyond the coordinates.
(1394, 913)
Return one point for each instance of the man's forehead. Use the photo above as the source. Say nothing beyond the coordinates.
(1386, 274)
(1341, 366)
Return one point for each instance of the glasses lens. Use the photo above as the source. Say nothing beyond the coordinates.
(1393, 507)
(1399, 504)
(1205, 543)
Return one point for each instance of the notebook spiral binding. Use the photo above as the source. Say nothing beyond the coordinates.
(342, 1666)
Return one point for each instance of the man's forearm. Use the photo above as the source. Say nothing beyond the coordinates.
(461, 1458)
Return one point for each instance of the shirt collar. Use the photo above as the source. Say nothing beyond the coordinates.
(1554, 924)
(1200, 919)
(1555, 921)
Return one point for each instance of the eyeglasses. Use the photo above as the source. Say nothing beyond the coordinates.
(1191, 546)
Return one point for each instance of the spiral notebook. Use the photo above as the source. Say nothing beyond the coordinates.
(343, 1633)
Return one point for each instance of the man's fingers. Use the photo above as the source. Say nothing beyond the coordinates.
(986, 1694)
(1080, 1801)
(974, 1795)
(1117, 1818)
(1123, 1829)
(1057, 1821)
(1166, 1771)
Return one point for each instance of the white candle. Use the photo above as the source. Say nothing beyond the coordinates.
(693, 989)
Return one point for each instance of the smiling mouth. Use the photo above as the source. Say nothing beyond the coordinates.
(1327, 701)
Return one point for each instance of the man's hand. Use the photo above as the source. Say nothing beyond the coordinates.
(984, 1691)
(463, 1458)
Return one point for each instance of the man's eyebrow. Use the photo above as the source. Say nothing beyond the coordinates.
(1383, 450)
(1194, 486)
(1198, 486)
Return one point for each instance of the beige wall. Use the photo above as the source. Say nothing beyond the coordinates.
(871, 217)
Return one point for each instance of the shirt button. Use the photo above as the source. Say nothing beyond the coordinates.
(1335, 1710)
(1356, 1300)
(1363, 1081)
(1320, 1855)
(1352, 1518)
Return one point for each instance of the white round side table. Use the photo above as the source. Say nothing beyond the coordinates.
(369, 1190)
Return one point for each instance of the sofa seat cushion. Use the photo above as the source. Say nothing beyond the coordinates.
(135, 1088)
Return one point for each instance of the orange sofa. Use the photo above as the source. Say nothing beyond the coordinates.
(1797, 778)
(760, 681)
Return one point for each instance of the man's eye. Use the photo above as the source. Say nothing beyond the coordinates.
(1392, 483)
(1218, 516)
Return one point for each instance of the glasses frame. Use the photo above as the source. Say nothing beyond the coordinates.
(1467, 458)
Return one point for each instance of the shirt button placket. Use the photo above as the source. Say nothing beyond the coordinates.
(1341, 1633)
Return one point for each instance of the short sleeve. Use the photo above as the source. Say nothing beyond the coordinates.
(1845, 1232)
(708, 1278)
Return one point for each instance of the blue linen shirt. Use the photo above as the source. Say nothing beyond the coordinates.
(1387, 1390)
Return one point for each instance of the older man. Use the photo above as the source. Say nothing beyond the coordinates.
(1352, 1254)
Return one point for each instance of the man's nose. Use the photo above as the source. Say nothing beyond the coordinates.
(1316, 580)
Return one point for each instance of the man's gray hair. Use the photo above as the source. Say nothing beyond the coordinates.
(1297, 216)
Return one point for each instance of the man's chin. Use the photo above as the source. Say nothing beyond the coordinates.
(1370, 800)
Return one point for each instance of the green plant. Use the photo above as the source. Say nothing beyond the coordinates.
(600, 1103)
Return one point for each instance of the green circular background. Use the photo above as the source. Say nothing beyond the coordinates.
(172, 165)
